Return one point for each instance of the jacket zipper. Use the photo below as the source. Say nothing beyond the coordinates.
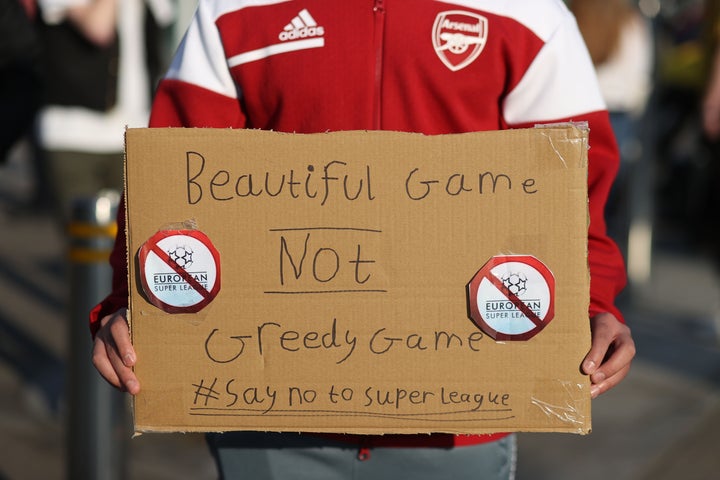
(363, 454)
(379, 16)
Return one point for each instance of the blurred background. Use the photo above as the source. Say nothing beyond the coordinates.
(656, 61)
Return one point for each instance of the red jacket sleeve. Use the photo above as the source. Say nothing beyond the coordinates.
(607, 268)
(118, 298)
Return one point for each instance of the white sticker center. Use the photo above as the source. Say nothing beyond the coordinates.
(180, 270)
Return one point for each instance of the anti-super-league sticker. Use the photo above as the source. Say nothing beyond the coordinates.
(512, 297)
(179, 270)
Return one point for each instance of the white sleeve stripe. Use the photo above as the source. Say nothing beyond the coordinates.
(275, 49)
(200, 58)
(560, 83)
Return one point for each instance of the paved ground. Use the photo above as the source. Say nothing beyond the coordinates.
(662, 423)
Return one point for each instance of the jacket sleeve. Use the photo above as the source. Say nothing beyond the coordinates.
(607, 268)
(118, 297)
(198, 89)
(560, 85)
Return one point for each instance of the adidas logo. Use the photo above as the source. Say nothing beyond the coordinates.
(302, 26)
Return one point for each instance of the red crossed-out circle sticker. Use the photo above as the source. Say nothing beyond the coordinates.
(179, 270)
(512, 297)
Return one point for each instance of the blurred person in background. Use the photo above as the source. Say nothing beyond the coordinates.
(101, 59)
(688, 148)
(711, 122)
(711, 101)
(20, 76)
(620, 42)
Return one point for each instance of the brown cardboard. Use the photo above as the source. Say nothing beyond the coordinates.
(333, 315)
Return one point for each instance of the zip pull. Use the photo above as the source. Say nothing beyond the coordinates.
(363, 454)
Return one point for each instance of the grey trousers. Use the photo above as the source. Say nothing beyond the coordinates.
(259, 456)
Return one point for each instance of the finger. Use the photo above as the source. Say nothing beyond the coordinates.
(601, 341)
(128, 380)
(593, 359)
(108, 357)
(598, 389)
(121, 337)
(605, 330)
(102, 364)
(622, 354)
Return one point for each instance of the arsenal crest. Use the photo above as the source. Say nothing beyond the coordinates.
(459, 37)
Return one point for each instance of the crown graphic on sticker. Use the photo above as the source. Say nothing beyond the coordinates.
(179, 270)
(512, 297)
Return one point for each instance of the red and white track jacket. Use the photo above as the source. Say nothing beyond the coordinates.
(425, 66)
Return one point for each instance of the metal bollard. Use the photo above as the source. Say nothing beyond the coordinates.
(98, 418)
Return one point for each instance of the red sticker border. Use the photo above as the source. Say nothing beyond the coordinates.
(485, 273)
(151, 245)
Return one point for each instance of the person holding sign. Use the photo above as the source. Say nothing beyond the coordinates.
(436, 68)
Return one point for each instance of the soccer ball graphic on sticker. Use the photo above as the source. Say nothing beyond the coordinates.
(515, 282)
(182, 255)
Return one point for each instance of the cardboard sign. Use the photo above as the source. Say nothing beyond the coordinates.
(347, 262)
